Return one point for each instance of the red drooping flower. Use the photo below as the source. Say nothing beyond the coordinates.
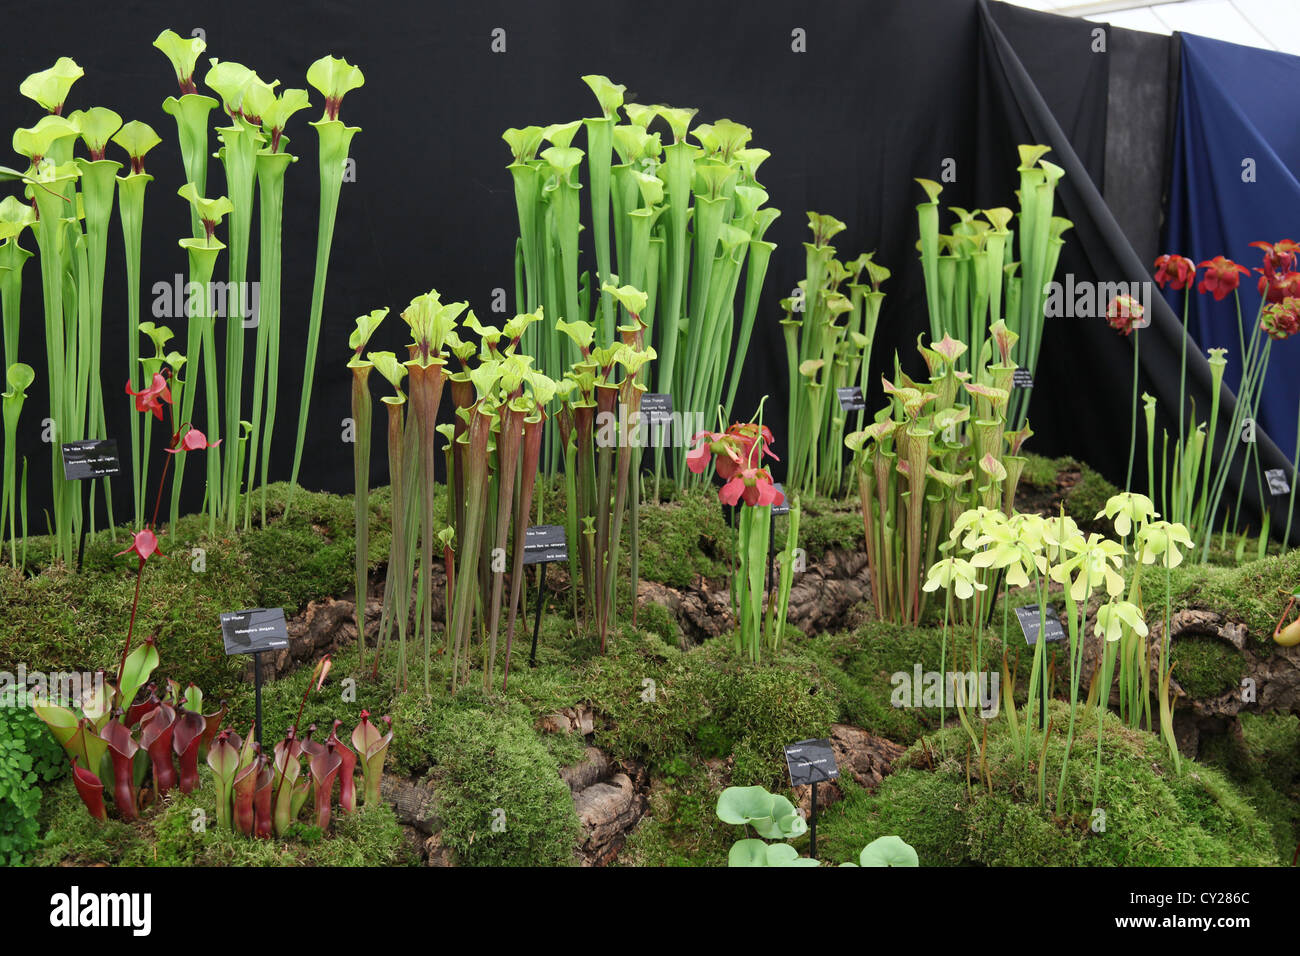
(709, 444)
(740, 451)
(1279, 256)
(147, 400)
(194, 440)
(1276, 286)
(1122, 312)
(1178, 272)
(1221, 276)
(736, 449)
(143, 543)
(747, 435)
(1281, 320)
(754, 485)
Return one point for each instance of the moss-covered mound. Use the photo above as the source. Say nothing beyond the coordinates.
(955, 812)
(55, 619)
(698, 719)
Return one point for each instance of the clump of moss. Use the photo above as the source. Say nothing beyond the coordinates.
(872, 671)
(65, 621)
(1206, 666)
(1264, 761)
(680, 827)
(659, 702)
(499, 795)
(1247, 592)
(685, 538)
(1041, 484)
(1154, 816)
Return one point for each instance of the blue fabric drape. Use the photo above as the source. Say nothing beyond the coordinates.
(1236, 162)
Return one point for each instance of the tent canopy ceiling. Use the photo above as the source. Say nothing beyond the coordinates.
(1268, 24)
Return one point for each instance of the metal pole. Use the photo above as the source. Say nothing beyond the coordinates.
(537, 618)
(257, 693)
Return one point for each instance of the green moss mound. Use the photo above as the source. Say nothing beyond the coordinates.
(499, 795)
(58, 620)
(1264, 762)
(1153, 815)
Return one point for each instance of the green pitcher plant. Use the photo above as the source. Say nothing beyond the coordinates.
(971, 279)
(18, 378)
(937, 449)
(680, 222)
(828, 339)
(333, 78)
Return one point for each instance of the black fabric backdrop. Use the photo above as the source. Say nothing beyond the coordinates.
(885, 92)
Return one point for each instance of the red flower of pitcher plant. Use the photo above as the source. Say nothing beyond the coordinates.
(735, 449)
(1123, 312)
(150, 399)
(1175, 272)
(752, 485)
(1281, 320)
(194, 440)
(1277, 286)
(1279, 257)
(1221, 276)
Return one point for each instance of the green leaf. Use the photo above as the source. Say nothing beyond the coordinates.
(136, 138)
(389, 367)
(629, 297)
(932, 189)
(678, 120)
(749, 852)
(608, 93)
(561, 135)
(741, 805)
(97, 125)
(582, 333)
(285, 105)
(35, 142)
(785, 823)
(183, 52)
(49, 88)
(366, 325)
(563, 159)
(888, 851)
(259, 99)
(15, 216)
(209, 210)
(229, 80)
(524, 142)
(140, 663)
(334, 77)
(20, 378)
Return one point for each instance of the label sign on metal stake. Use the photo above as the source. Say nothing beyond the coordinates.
(811, 761)
(1277, 483)
(84, 460)
(544, 543)
(251, 632)
(784, 507)
(1029, 621)
(851, 399)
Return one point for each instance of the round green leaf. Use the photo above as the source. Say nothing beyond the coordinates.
(888, 851)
